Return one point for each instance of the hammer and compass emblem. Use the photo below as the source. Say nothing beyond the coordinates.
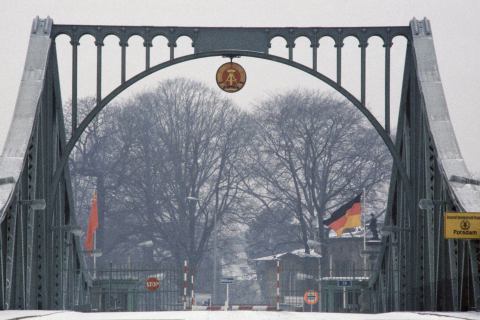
(231, 77)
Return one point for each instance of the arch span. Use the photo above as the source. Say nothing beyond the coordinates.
(378, 127)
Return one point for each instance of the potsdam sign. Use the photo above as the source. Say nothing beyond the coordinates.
(462, 225)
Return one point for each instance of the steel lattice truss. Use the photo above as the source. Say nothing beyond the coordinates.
(417, 268)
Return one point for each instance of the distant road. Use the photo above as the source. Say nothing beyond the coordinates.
(233, 315)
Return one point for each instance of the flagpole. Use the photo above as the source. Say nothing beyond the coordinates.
(364, 236)
(94, 255)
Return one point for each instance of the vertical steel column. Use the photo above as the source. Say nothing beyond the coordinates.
(99, 45)
(75, 43)
(124, 45)
(363, 49)
(51, 150)
(429, 182)
(290, 46)
(172, 44)
(453, 257)
(147, 44)
(339, 45)
(59, 218)
(388, 44)
(413, 140)
(2, 268)
(40, 232)
(32, 174)
(11, 223)
(474, 251)
(314, 47)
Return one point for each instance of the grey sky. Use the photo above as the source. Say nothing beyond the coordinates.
(455, 26)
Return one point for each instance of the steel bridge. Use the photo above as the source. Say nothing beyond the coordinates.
(417, 269)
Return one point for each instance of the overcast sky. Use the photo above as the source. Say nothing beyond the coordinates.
(455, 27)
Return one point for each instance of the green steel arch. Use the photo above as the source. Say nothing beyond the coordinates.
(102, 103)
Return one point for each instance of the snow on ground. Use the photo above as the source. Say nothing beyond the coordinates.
(233, 315)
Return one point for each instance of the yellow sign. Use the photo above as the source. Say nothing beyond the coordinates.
(231, 77)
(462, 225)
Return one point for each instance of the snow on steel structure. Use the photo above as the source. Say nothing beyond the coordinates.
(38, 241)
(416, 270)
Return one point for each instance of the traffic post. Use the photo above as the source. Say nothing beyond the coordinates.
(227, 281)
(311, 297)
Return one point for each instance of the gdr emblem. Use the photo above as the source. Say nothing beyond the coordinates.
(231, 77)
(465, 225)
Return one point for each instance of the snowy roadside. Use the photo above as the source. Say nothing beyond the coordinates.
(232, 315)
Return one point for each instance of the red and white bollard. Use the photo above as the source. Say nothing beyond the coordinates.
(185, 287)
(278, 285)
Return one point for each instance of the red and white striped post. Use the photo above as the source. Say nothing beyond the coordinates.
(192, 291)
(278, 285)
(185, 287)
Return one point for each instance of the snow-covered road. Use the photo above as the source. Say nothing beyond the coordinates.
(233, 315)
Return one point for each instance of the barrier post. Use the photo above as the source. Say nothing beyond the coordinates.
(192, 291)
(185, 287)
(278, 285)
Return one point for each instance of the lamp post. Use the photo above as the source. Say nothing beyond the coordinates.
(214, 256)
(214, 250)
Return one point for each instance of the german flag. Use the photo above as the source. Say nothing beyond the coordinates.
(347, 216)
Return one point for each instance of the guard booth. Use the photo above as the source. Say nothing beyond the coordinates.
(114, 295)
(344, 294)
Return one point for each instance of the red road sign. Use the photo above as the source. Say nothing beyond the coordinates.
(311, 297)
(152, 284)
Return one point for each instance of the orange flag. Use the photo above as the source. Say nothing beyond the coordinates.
(92, 223)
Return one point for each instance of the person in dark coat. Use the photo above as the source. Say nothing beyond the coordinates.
(373, 227)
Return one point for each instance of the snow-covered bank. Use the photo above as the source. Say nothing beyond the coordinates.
(233, 315)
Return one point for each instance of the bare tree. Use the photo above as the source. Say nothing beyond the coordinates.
(184, 169)
(96, 164)
(313, 152)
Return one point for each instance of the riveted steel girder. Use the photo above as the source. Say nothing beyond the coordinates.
(32, 250)
(430, 273)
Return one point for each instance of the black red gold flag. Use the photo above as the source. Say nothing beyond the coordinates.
(347, 216)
